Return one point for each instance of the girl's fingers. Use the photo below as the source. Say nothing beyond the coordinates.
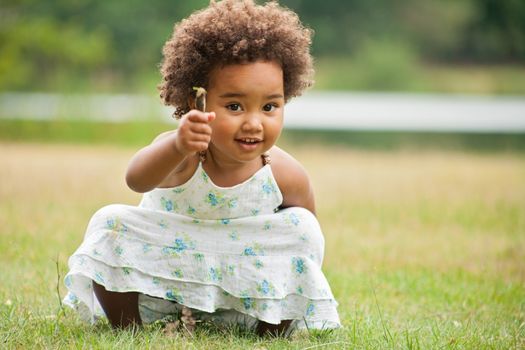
(200, 128)
(200, 117)
(200, 138)
(194, 133)
(198, 146)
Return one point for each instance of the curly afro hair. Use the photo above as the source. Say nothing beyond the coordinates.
(233, 32)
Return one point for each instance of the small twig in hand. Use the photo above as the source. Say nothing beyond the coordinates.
(200, 98)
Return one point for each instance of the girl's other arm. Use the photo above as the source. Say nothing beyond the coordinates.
(293, 181)
(153, 163)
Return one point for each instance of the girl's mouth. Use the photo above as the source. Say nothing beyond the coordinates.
(248, 143)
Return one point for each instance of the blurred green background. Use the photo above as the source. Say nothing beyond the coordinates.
(424, 230)
(465, 46)
(89, 47)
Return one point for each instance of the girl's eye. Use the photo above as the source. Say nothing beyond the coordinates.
(234, 107)
(269, 107)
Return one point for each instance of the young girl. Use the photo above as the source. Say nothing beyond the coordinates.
(226, 226)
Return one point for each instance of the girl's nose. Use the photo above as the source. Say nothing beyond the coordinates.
(252, 123)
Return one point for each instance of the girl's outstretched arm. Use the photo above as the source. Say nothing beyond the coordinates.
(153, 163)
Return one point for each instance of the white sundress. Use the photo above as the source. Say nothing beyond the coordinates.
(217, 250)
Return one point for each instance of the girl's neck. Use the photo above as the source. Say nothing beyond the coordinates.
(228, 172)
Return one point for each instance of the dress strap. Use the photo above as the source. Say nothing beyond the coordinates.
(265, 157)
(202, 156)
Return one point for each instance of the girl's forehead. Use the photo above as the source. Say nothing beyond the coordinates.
(264, 74)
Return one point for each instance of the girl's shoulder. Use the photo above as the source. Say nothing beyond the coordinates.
(283, 162)
(292, 179)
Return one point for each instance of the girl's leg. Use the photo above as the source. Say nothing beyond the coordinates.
(122, 309)
(275, 330)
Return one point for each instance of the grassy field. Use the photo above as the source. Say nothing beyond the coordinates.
(424, 249)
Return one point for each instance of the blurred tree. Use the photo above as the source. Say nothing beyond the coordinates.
(73, 44)
(435, 28)
(497, 31)
(342, 26)
(42, 42)
(440, 30)
(38, 50)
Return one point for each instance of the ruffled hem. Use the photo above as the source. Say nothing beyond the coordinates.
(312, 313)
(252, 277)
(266, 266)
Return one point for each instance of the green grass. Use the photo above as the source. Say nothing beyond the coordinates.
(424, 248)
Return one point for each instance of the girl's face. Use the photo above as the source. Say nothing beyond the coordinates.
(248, 100)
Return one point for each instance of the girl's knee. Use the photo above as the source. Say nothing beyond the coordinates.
(111, 218)
(307, 228)
(108, 211)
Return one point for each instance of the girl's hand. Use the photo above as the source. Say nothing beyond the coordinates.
(194, 132)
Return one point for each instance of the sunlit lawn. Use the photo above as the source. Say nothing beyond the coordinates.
(424, 249)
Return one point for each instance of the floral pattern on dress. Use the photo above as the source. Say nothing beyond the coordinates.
(215, 198)
(292, 219)
(175, 295)
(253, 250)
(258, 264)
(119, 250)
(215, 274)
(180, 245)
(234, 236)
(209, 247)
(191, 210)
(232, 203)
(266, 288)
(269, 186)
(204, 176)
(163, 224)
(168, 204)
(298, 265)
(310, 309)
(116, 226)
(177, 273)
(198, 256)
(99, 278)
(246, 301)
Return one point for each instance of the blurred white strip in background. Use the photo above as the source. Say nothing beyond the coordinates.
(389, 111)
(316, 110)
(97, 107)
